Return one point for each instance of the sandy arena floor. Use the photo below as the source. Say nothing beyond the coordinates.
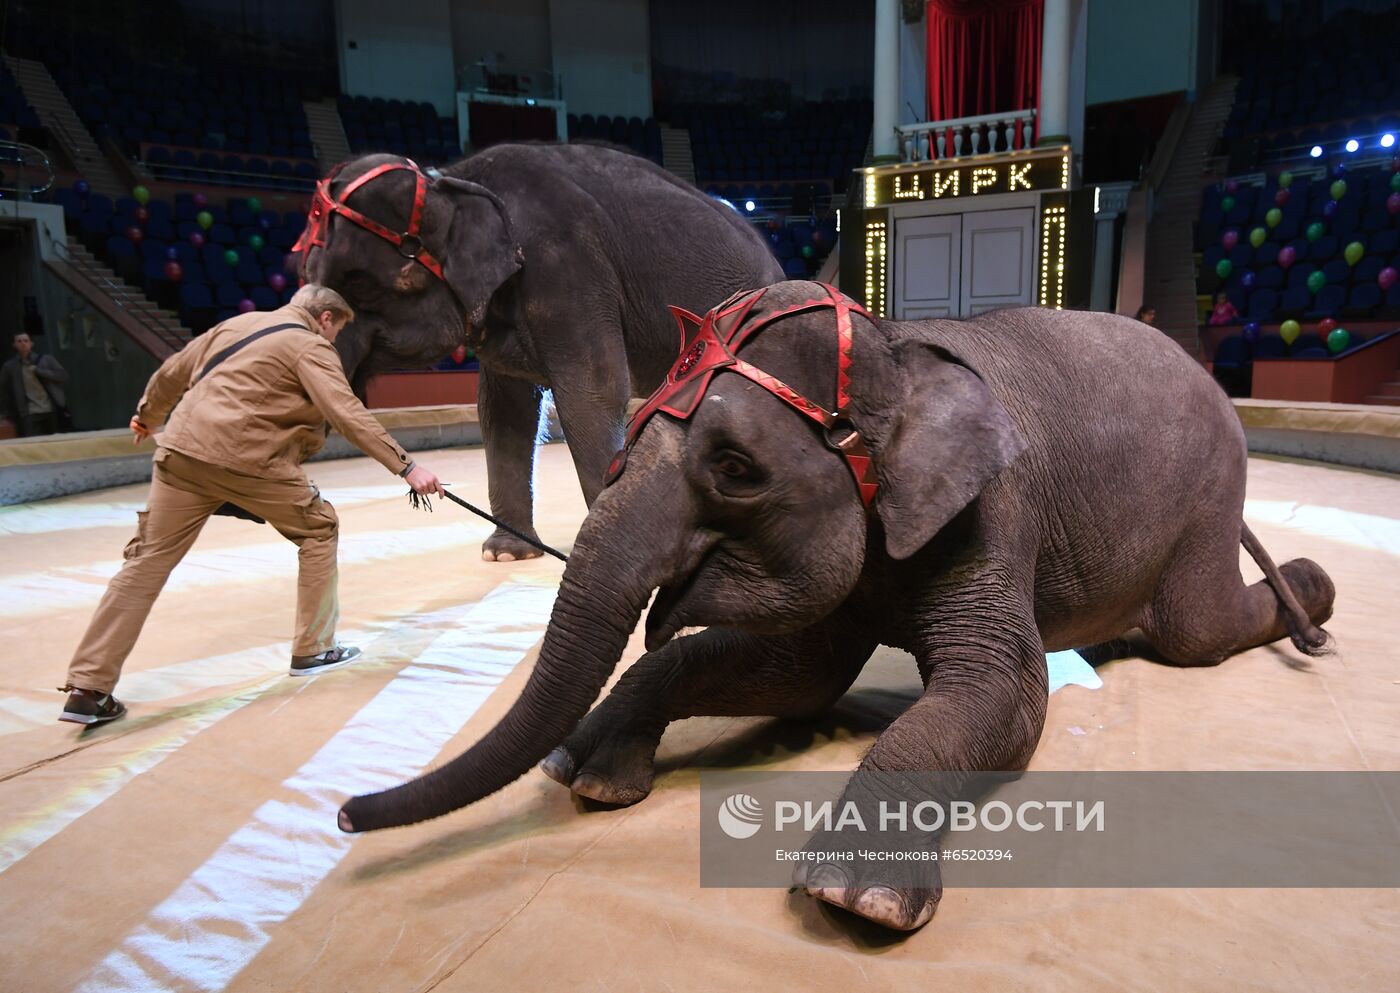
(193, 845)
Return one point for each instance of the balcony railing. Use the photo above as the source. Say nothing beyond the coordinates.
(25, 171)
(933, 141)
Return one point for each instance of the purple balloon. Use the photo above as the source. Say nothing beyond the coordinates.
(1392, 203)
(1247, 280)
(245, 305)
(1232, 186)
(197, 239)
(1251, 331)
(1387, 277)
(172, 254)
(1286, 256)
(277, 281)
(1230, 238)
(200, 201)
(1329, 209)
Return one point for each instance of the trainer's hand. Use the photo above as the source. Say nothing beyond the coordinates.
(140, 431)
(423, 481)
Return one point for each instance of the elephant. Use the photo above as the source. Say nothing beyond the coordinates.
(552, 262)
(976, 493)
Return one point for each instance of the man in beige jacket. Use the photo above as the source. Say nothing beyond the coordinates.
(257, 392)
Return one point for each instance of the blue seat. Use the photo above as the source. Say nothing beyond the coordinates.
(1367, 269)
(1309, 339)
(1270, 346)
(228, 294)
(1322, 249)
(1261, 304)
(1364, 299)
(1270, 277)
(1312, 352)
(1337, 272)
(265, 297)
(1328, 302)
(1232, 353)
(1294, 304)
(1299, 273)
(195, 295)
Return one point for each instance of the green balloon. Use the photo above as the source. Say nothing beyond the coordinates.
(1285, 180)
(256, 241)
(1223, 268)
(1227, 204)
(1273, 217)
(1316, 281)
(1316, 230)
(231, 257)
(141, 195)
(1257, 237)
(1395, 182)
(1354, 252)
(1289, 331)
(204, 219)
(1338, 340)
(254, 204)
(1339, 189)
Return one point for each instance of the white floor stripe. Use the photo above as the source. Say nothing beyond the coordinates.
(217, 922)
(72, 587)
(1360, 530)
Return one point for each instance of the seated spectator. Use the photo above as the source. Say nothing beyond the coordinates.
(1223, 312)
(1148, 315)
(31, 390)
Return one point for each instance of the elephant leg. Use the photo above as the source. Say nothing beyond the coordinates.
(715, 673)
(1203, 612)
(592, 400)
(982, 710)
(510, 415)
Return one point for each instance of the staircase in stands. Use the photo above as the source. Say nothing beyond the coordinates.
(1171, 263)
(161, 332)
(676, 155)
(56, 114)
(1388, 393)
(327, 133)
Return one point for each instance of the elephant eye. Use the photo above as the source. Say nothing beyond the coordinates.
(733, 465)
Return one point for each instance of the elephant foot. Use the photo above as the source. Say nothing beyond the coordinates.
(503, 546)
(898, 907)
(614, 771)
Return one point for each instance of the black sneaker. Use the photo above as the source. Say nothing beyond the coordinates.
(331, 658)
(91, 707)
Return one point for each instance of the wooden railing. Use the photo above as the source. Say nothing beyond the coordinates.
(965, 136)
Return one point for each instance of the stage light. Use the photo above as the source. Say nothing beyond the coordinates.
(529, 101)
(1387, 140)
(749, 206)
(1316, 152)
(1352, 144)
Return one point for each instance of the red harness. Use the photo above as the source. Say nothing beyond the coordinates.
(408, 243)
(708, 346)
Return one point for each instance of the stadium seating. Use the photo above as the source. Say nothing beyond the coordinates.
(373, 124)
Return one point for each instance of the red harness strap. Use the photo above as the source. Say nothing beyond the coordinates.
(708, 346)
(409, 243)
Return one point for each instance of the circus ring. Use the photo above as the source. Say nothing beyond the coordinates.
(192, 846)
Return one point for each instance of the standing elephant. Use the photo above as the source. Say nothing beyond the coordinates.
(984, 492)
(554, 263)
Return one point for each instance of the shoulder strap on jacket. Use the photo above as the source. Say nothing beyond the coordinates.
(225, 353)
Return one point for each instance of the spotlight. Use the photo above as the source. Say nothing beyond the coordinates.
(1352, 144)
(1387, 140)
(749, 205)
(529, 101)
(1316, 152)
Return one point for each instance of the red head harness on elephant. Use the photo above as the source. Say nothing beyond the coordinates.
(708, 346)
(408, 243)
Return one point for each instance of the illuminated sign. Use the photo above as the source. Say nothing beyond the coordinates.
(939, 181)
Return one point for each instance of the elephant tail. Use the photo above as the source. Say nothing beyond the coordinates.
(1306, 636)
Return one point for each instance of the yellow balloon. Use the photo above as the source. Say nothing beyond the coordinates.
(1289, 331)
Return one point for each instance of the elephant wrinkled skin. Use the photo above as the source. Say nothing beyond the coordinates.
(1046, 480)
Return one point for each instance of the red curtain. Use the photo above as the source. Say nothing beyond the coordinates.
(983, 56)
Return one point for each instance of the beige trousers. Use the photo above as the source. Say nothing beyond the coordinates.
(184, 493)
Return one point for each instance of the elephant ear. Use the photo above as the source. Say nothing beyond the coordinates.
(951, 437)
(481, 252)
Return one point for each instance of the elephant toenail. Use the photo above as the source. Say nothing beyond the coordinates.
(826, 877)
(883, 905)
(558, 765)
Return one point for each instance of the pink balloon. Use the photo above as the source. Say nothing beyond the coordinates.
(277, 281)
(1392, 203)
(1232, 186)
(1387, 277)
(1286, 256)
(200, 201)
(245, 305)
(1230, 238)
(197, 239)
(1281, 197)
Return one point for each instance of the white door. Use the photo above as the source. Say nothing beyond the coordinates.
(998, 249)
(928, 259)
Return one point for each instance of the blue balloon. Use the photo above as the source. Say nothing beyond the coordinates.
(1329, 209)
(81, 187)
(1338, 171)
(172, 254)
(1251, 331)
(1247, 280)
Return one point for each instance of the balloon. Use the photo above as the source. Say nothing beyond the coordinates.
(1395, 164)
(1227, 204)
(817, 237)
(200, 201)
(1354, 253)
(1232, 186)
(1287, 255)
(1230, 238)
(1316, 281)
(1338, 170)
(245, 306)
(197, 239)
(254, 204)
(1386, 277)
(1392, 204)
(1257, 237)
(1338, 340)
(807, 253)
(1251, 331)
(1326, 325)
(256, 242)
(171, 253)
(82, 188)
(459, 354)
(1248, 280)
(1289, 331)
(1316, 230)
(204, 219)
(1395, 182)
(1285, 180)
(142, 215)
(289, 262)
(135, 234)
(1273, 217)
(173, 272)
(277, 281)
(141, 195)
(1222, 268)
(231, 258)
(1281, 197)
(1338, 189)
(1329, 209)
(265, 223)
